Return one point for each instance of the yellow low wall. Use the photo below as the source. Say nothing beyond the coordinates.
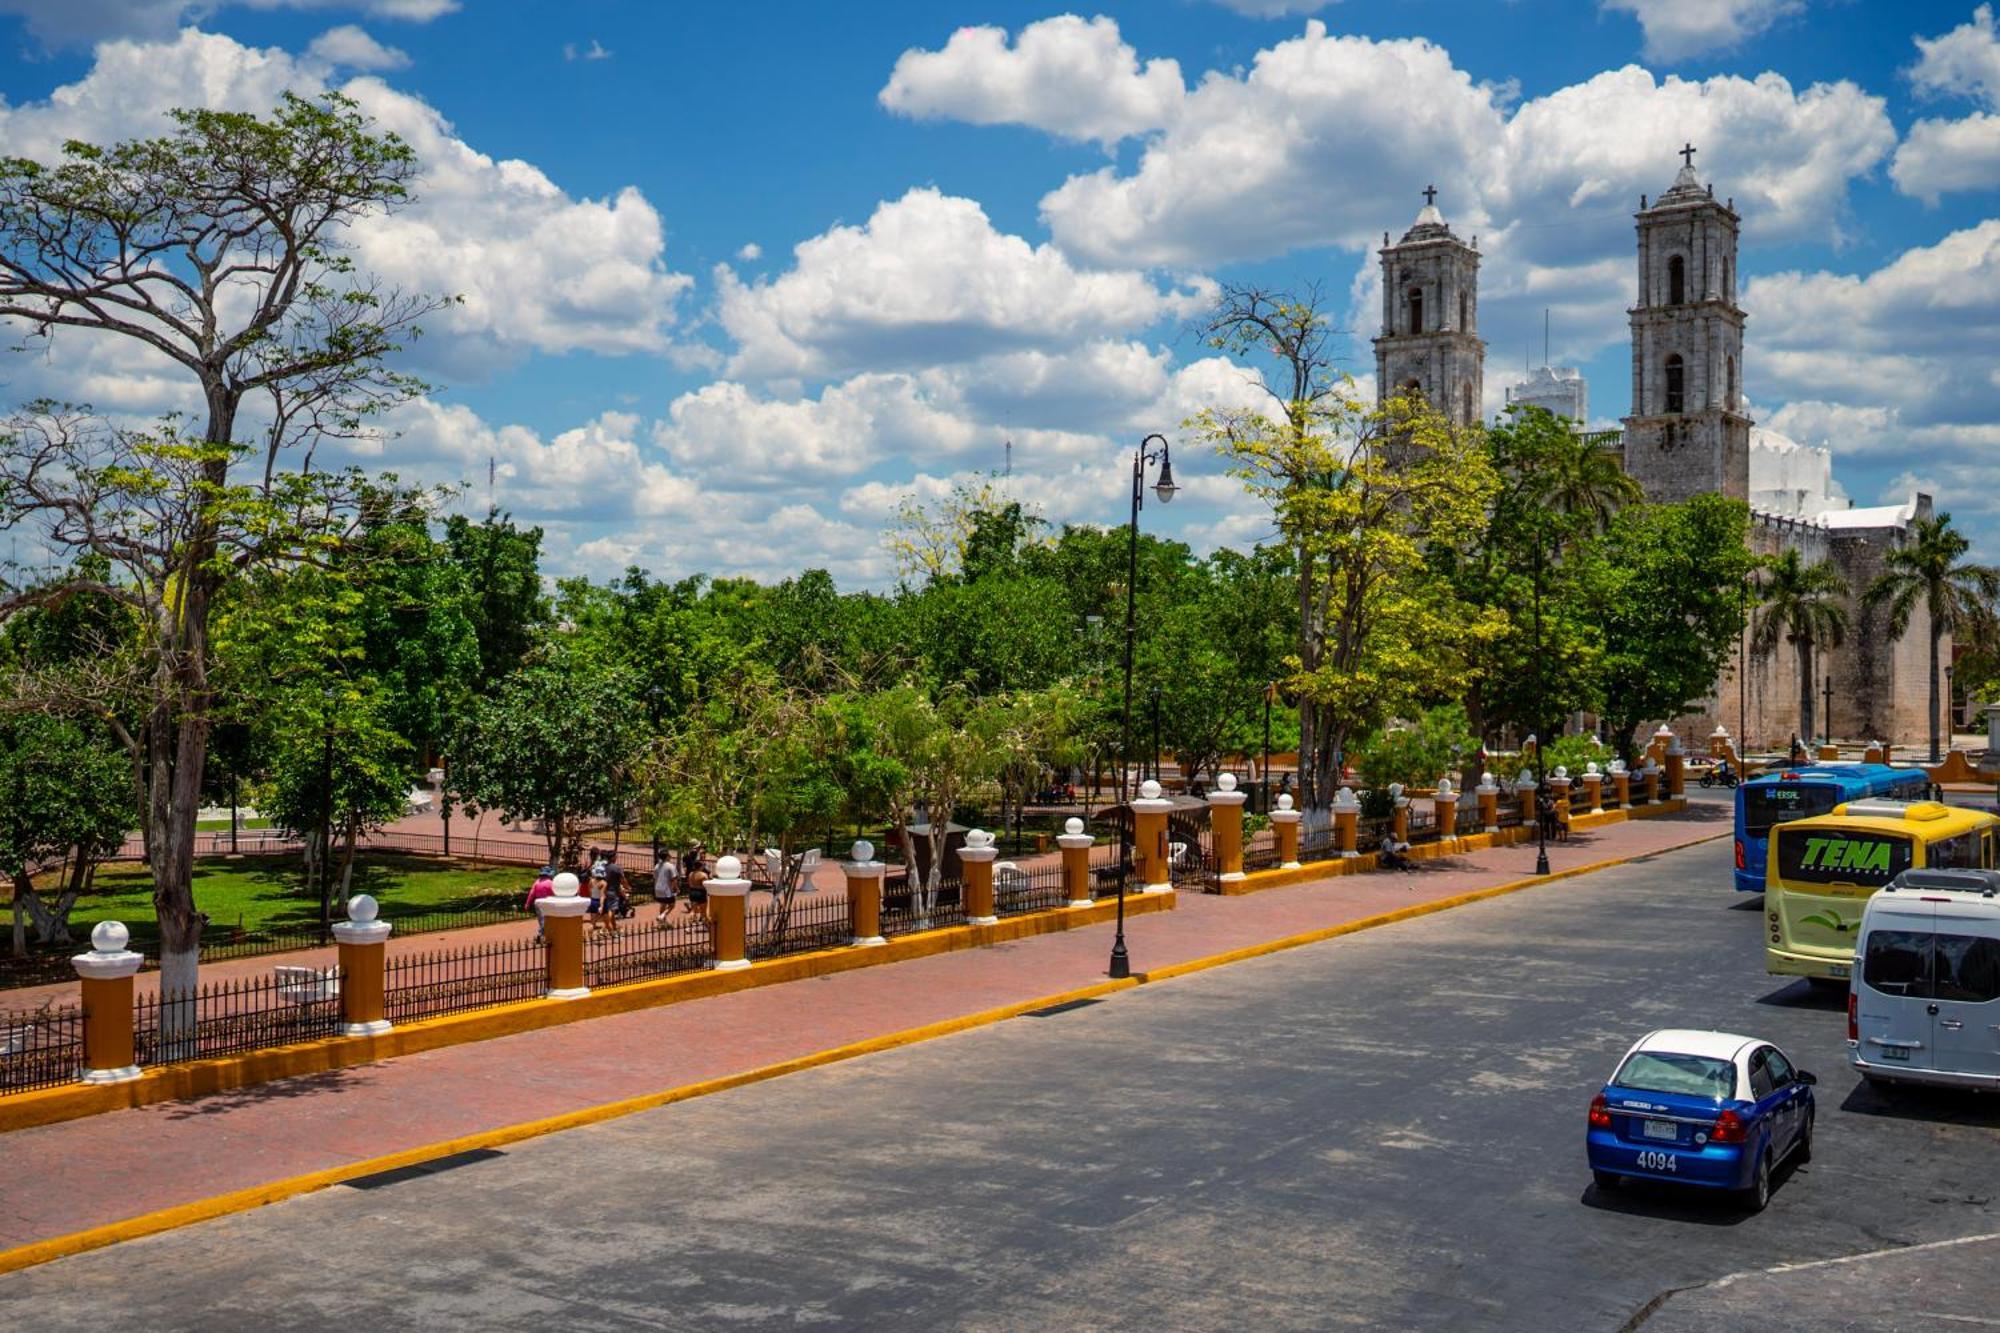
(1443, 847)
(200, 1078)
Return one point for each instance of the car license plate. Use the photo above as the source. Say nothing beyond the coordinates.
(1840, 971)
(1660, 1129)
(1895, 1053)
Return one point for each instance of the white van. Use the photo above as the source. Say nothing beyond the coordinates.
(1924, 1004)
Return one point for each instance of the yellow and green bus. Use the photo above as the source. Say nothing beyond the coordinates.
(1822, 870)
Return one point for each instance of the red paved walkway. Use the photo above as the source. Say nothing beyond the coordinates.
(64, 1178)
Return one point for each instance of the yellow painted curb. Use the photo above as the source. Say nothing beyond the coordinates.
(201, 1078)
(222, 1205)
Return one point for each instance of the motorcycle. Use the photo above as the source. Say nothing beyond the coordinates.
(1721, 775)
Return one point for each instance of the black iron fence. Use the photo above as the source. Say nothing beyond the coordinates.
(293, 1004)
(40, 1048)
(645, 949)
(903, 909)
(1037, 889)
(779, 927)
(455, 981)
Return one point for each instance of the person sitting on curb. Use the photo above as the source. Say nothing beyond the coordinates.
(1394, 855)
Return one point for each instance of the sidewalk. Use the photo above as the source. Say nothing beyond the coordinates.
(59, 1179)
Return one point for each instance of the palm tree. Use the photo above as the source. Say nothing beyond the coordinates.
(1958, 595)
(1806, 606)
(1585, 482)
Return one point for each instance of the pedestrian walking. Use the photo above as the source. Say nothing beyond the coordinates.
(694, 880)
(665, 876)
(616, 904)
(544, 887)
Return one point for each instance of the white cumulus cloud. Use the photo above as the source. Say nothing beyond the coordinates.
(538, 268)
(1067, 75)
(350, 47)
(1678, 29)
(83, 22)
(927, 280)
(1944, 155)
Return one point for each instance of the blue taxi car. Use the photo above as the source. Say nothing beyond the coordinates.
(1713, 1109)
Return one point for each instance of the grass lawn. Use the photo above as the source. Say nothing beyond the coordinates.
(222, 825)
(265, 893)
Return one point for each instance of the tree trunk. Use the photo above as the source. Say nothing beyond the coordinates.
(1805, 692)
(1936, 754)
(347, 864)
(20, 920)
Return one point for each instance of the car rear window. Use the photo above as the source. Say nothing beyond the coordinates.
(1688, 1075)
(1914, 963)
(1765, 806)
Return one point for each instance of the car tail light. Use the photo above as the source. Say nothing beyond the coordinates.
(1600, 1115)
(1853, 1025)
(1729, 1128)
(1740, 865)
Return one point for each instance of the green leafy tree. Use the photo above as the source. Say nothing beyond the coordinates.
(930, 754)
(1803, 605)
(501, 565)
(1360, 497)
(1957, 595)
(1665, 588)
(338, 771)
(66, 800)
(219, 249)
(1438, 744)
(549, 745)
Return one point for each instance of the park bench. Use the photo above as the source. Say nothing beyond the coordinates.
(307, 985)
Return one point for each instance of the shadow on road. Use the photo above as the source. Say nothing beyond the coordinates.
(1667, 1203)
(1802, 994)
(1940, 1106)
(1748, 902)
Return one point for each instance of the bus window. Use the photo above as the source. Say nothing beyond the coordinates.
(1765, 806)
(1951, 853)
(1986, 850)
(1840, 856)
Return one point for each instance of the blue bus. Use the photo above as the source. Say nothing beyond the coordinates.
(1799, 793)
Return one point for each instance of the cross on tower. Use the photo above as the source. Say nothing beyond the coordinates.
(1687, 154)
(1430, 195)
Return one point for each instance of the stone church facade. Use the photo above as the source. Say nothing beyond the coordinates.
(1688, 434)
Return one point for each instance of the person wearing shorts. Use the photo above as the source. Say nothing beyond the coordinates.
(664, 876)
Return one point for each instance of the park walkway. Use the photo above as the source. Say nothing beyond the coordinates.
(60, 1179)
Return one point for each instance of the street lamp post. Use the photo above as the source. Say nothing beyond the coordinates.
(1121, 964)
(1950, 716)
(1269, 690)
(1826, 710)
(1541, 768)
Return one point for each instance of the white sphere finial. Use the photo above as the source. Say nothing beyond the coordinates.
(1444, 787)
(1562, 771)
(362, 908)
(1072, 826)
(1590, 769)
(1285, 801)
(110, 937)
(862, 852)
(1226, 782)
(728, 867)
(1149, 790)
(978, 837)
(565, 885)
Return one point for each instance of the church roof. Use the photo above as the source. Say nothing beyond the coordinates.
(1876, 516)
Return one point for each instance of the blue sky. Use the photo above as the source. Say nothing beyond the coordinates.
(742, 275)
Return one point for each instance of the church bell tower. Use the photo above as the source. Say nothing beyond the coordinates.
(1687, 434)
(1430, 319)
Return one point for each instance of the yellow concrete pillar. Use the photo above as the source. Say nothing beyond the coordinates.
(1399, 817)
(1652, 777)
(1876, 753)
(1719, 744)
(1445, 802)
(1076, 845)
(1488, 792)
(1621, 788)
(727, 929)
(864, 893)
(1225, 826)
(1285, 823)
(975, 860)
(562, 927)
(1829, 754)
(106, 975)
(1524, 792)
(364, 949)
(1346, 823)
(1593, 790)
(1149, 839)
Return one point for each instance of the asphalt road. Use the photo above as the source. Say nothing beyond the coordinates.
(1382, 1131)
